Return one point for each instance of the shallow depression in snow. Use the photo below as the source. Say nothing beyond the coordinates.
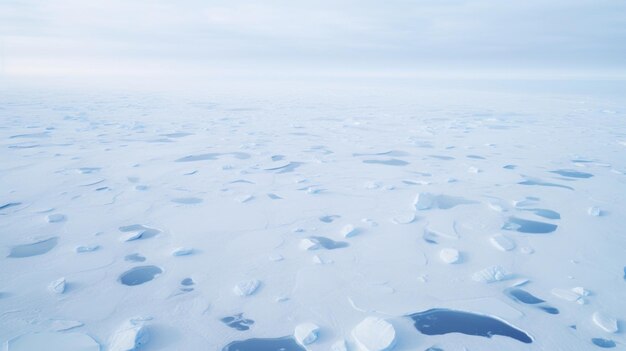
(34, 249)
(139, 275)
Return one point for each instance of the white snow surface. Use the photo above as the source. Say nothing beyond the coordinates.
(245, 176)
(374, 334)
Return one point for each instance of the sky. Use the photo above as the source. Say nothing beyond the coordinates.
(135, 38)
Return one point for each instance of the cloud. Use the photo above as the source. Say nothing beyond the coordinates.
(126, 36)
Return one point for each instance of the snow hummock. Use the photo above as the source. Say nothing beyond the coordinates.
(130, 335)
(87, 248)
(55, 218)
(594, 211)
(182, 251)
(449, 255)
(349, 231)
(246, 287)
(491, 274)
(309, 244)
(605, 322)
(57, 286)
(306, 333)
(576, 294)
(502, 242)
(374, 334)
(427, 201)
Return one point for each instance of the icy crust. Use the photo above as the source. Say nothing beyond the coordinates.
(286, 222)
(443, 321)
(50, 341)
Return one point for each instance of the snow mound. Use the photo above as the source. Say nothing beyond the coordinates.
(182, 251)
(427, 201)
(594, 211)
(374, 334)
(491, 274)
(348, 231)
(605, 322)
(247, 287)
(57, 286)
(502, 242)
(306, 333)
(449, 255)
(131, 335)
(55, 218)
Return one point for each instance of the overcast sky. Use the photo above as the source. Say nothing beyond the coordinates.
(91, 37)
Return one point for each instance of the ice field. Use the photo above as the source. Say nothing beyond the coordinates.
(352, 217)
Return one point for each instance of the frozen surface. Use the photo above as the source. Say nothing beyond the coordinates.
(442, 321)
(374, 334)
(230, 218)
(50, 341)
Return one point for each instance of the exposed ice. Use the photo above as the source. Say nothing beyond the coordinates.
(130, 336)
(572, 173)
(603, 343)
(277, 344)
(605, 322)
(534, 181)
(246, 287)
(53, 341)
(238, 322)
(139, 275)
(525, 297)
(329, 218)
(306, 333)
(528, 226)
(545, 213)
(135, 257)
(374, 334)
(440, 321)
(491, 274)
